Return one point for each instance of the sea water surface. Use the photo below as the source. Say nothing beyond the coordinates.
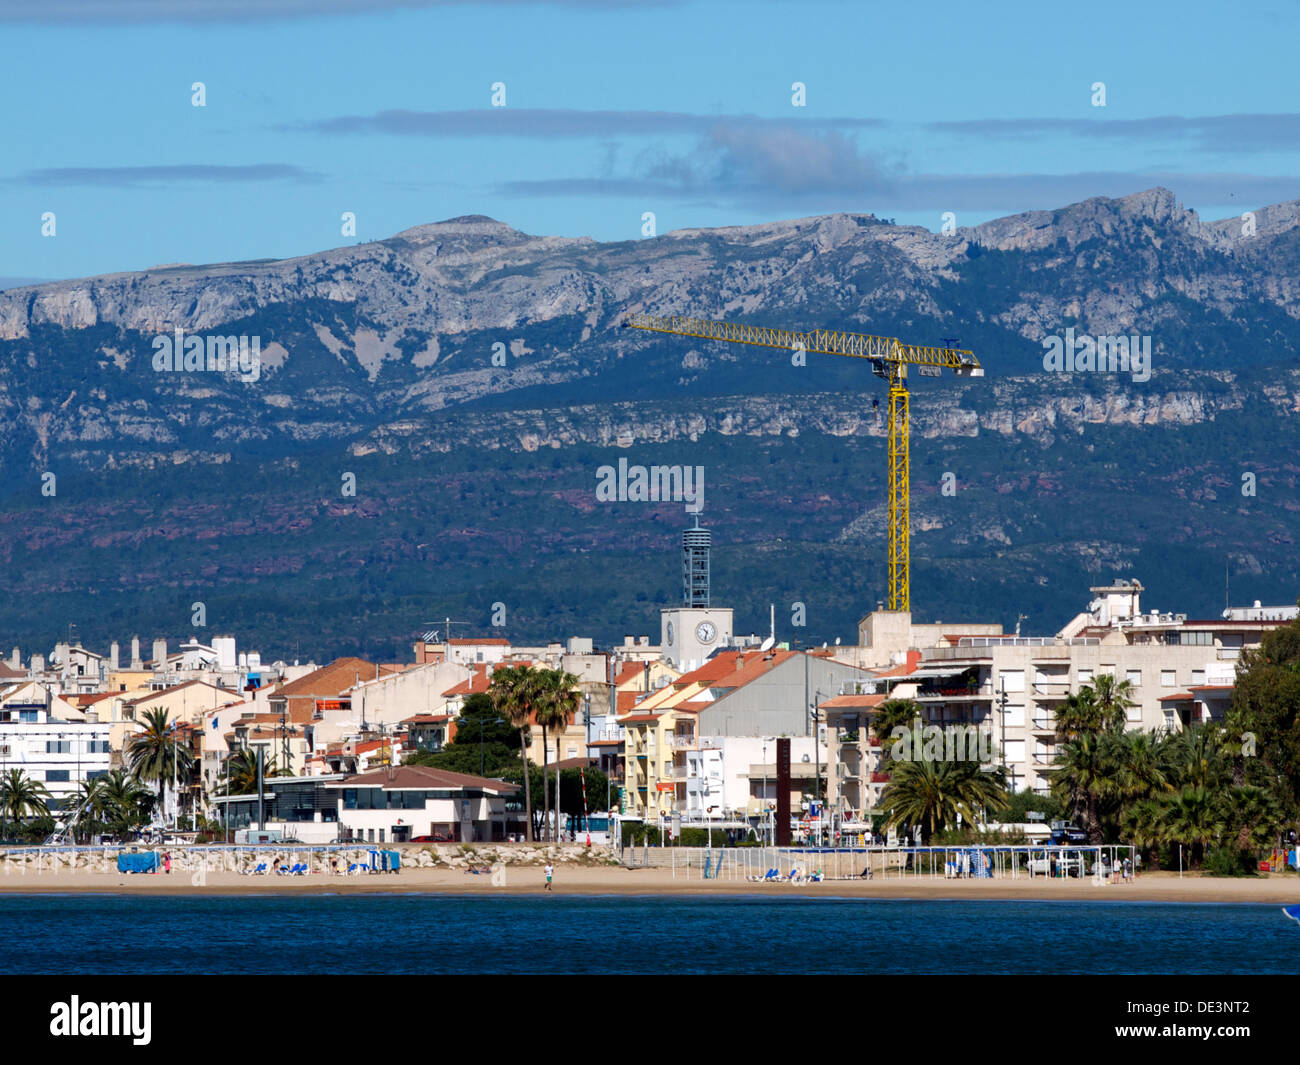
(454, 934)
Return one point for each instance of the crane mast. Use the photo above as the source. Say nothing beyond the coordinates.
(890, 358)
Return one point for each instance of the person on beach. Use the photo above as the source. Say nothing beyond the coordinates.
(167, 862)
(550, 870)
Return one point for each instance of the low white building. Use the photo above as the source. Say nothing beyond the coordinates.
(406, 802)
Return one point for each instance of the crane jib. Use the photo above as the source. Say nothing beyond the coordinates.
(816, 342)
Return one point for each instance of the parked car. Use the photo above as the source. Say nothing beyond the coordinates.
(1051, 865)
(437, 837)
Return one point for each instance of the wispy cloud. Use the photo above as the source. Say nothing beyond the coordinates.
(548, 123)
(173, 11)
(1228, 133)
(785, 168)
(146, 176)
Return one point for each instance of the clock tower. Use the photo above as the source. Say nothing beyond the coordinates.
(694, 630)
(692, 633)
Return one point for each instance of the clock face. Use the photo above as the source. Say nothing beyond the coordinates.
(705, 631)
(670, 633)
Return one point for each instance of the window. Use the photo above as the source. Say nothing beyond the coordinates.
(1134, 677)
(349, 798)
(1198, 677)
(95, 774)
(58, 746)
(1085, 676)
(381, 835)
(57, 776)
(1196, 639)
(1169, 719)
(573, 751)
(1015, 715)
(1014, 751)
(1013, 680)
(1168, 678)
(1134, 713)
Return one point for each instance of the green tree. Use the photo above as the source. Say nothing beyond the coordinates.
(22, 797)
(1080, 777)
(931, 794)
(514, 692)
(1263, 720)
(241, 771)
(557, 706)
(156, 753)
(890, 715)
(126, 803)
(485, 743)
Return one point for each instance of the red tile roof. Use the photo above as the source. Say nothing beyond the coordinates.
(485, 641)
(858, 702)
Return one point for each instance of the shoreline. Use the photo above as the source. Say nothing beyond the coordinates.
(618, 881)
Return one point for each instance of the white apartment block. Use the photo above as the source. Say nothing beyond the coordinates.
(1181, 671)
(58, 754)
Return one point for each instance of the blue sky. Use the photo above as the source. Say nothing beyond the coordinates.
(383, 108)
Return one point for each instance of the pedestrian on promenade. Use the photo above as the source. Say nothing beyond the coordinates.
(550, 870)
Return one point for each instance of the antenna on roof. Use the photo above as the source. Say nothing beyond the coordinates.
(767, 644)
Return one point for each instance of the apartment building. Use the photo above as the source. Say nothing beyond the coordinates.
(1008, 687)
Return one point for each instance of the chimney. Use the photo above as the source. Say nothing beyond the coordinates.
(16, 659)
(38, 663)
(113, 663)
(160, 654)
(135, 653)
(740, 661)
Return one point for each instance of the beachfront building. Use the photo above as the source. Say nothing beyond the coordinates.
(55, 752)
(397, 804)
(1007, 687)
(680, 754)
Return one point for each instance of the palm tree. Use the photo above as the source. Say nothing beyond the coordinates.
(241, 770)
(557, 706)
(1101, 706)
(1143, 823)
(1253, 815)
(20, 796)
(513, 692)
(1192, 816)
(932, 794)
(1199, 758)
(890, 715)
(1113, 699)
(1080, 777)
(125, 802)
(157, 754)
(88, 808)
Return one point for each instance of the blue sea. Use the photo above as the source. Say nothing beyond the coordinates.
(450, 934)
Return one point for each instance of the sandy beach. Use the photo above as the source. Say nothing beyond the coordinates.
(611, 880)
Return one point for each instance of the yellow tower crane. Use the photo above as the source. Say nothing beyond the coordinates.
(889, 358)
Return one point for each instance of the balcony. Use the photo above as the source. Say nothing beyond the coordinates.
(934, 693)
(681, 741)
(679, 772)
(1051, 689)
(1044, 724)
(880, 778)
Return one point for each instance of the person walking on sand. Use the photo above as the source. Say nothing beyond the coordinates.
(550, 871)
(167, 861)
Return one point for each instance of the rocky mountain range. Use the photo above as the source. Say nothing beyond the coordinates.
(472, 377)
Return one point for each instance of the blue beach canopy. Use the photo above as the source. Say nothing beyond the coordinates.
(1292, 911)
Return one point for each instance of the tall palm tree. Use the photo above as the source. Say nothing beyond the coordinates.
(1080, 777)
(513, 692)
(1113, 699)
(21, 796)
(157, 754)
(557, 706)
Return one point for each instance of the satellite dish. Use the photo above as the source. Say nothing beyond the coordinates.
(837, 641)
(767, 644)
